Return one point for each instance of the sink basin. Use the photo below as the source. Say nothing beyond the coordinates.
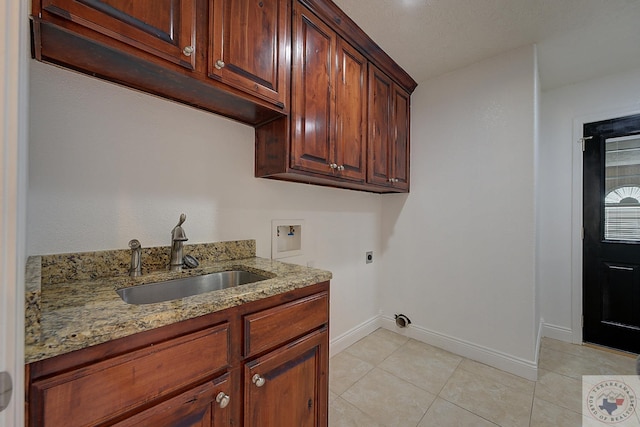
(187, 286)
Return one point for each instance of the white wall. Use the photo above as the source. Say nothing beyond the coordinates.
(108, 164)
(456, 255)
(13, 194)
(459, 251)
(563, 111)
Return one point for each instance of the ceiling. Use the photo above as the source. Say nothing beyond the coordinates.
(577, 39)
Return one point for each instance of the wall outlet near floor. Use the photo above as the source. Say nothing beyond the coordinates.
(369, 257)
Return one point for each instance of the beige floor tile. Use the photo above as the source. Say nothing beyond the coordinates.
(443, 413)
(504, 405)
(422, 365)
(546, 414)
(576, 366)
(618, 363)
(391, 336)
(501, 377)
(332, 396)
(562, 391)
(377, 346)
(344, 414)
(345, 370)
(388, 399)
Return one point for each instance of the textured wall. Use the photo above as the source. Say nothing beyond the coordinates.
(108, 164)
(460, 249)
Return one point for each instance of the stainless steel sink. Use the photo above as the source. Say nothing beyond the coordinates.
(187, 286)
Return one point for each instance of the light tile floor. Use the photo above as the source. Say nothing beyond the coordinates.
(387, 380)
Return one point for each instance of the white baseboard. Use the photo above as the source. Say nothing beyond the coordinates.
(557, 332)
(539, 340)
(353, 335)
(523, 368)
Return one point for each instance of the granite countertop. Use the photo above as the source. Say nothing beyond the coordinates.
(70, 306)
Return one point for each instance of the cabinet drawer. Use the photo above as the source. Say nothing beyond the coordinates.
(268, 328)
(197, 405)
(96, 393)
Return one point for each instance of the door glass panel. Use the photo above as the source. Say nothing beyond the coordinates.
(622, 189)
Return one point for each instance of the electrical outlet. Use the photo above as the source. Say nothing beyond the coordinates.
(369, 257)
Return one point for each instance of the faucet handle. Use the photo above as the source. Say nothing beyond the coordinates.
(136, 258)
(178, 234)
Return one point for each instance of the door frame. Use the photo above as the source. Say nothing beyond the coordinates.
(14, 72)
(577, 212)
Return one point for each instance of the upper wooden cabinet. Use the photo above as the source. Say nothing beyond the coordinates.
(349, 120)
(351, 112)
(248, 44)
(230, 57)
(329, 106)
(164, 28)
(328, 101)
(388, 132)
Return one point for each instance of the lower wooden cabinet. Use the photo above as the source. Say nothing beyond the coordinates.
(290, 380)
(263, 363)
(202, 406)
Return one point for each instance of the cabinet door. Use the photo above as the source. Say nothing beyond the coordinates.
(249, 45)
(351, 112)
(400, 146)
(203, 406)
(287, 387)
(380, 119)
(165, 28)
(313, 106)
(388, 132)
(96, 393)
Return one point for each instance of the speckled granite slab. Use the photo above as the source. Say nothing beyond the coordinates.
(71, 301)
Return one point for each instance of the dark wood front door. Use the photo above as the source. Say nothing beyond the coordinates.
(611, 246)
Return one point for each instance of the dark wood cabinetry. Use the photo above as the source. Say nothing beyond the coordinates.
(291, 377)
(166, 28)
(328, 101)
(349, 120)
(329, 106)
(202, 406)
(228, 57)
(285, 381)
(248, 44)
(388, 132)
(261, 363)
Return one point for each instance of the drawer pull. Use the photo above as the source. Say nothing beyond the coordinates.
(223, 399)
(258, 380)
(188, 50)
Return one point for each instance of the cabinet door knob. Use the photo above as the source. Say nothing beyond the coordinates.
(390, 179)
(257, 380)
(223, 399)
(188, 50)
(341, 168)
(219, 64)
(333, 166)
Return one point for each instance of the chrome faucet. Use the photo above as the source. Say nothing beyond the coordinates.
(177, 240)
(136, 258)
